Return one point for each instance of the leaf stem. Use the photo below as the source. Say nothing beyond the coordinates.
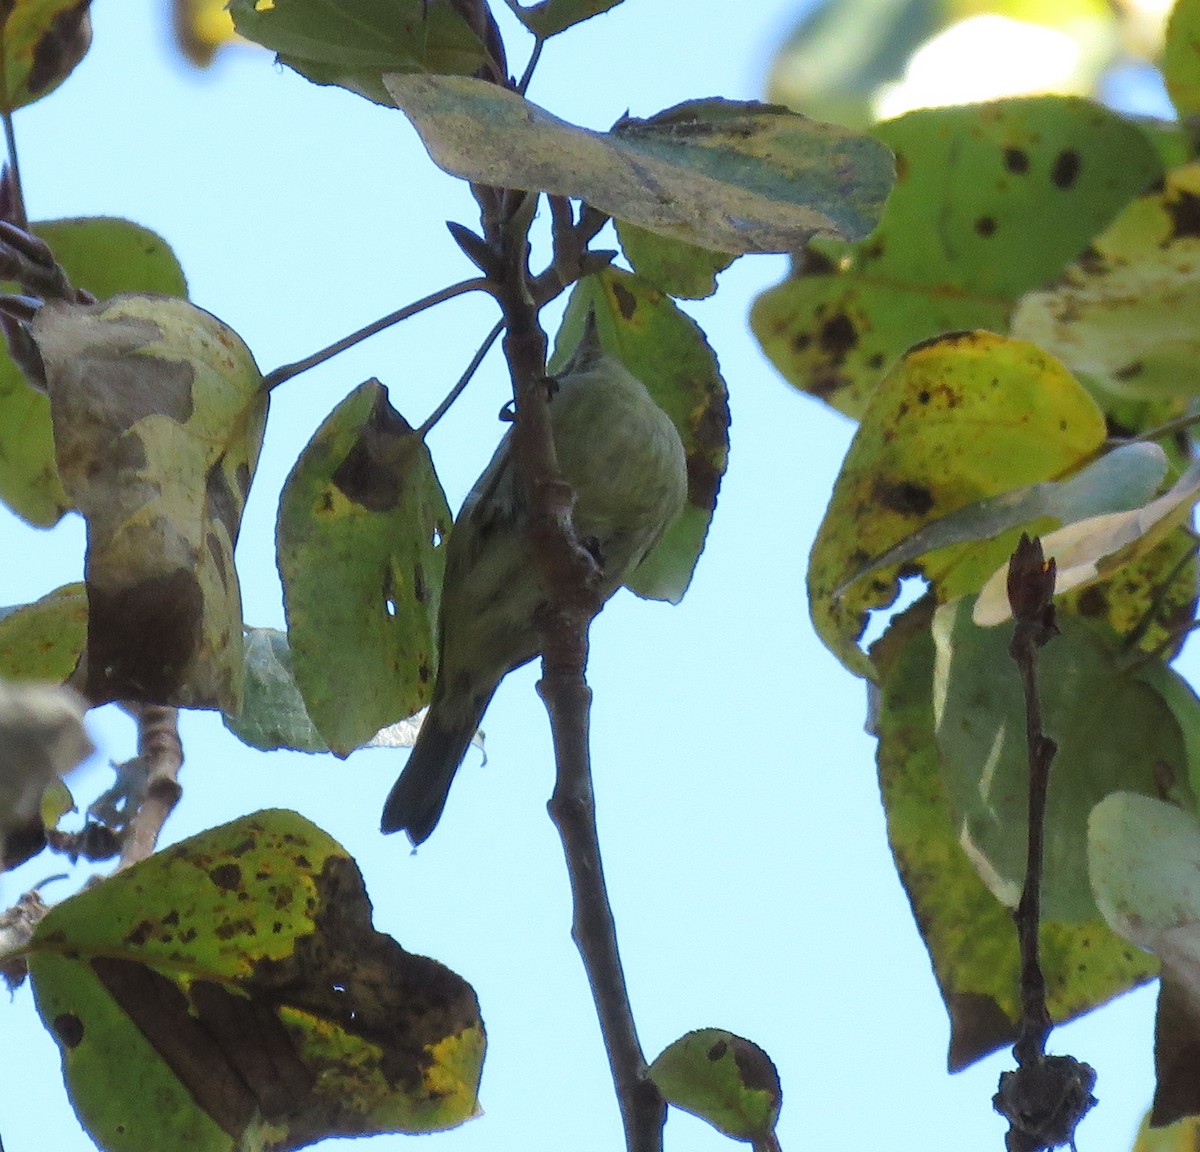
(286, 371)
(20, 216)
(463, 380)
(534, 57)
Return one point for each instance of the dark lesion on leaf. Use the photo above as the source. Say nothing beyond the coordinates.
(625, 300)
(1183, 207)
(706, 461)
(69, 1029)
(1016, 160)
(905, 497)
(366, 983)
(985, 226)
(60, 47)
(142, 637)
(1065, 170)
(838, 337)
(374, 471)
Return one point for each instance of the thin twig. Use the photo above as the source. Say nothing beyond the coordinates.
(463, 380)
(570, 572)
(20, 216)
(1169, 428)
(286, 371)
(1046, 1096)
(161, 752)
(527, 75)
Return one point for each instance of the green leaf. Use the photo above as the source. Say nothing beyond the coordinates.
(361, 523)
(158, 413)
(104, 255)
(685, 271)
(724, 1079)
(273, 713)
(667, 351)
(1122, 479)
(991, 200)
(728, 175)
(969, 934)
(1122, 316)
(41, 42)
(1113, 730)
(44, 640)
(959, 419)
(551, 17)
(355, 43)
(231, 993)
(1181, 1136)
(1181, 57)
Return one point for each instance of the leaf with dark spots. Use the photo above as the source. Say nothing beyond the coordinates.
(360, 524)
(837, 337)
(994, 200)
(666, 350)
(158, 412)
(374, 471)
(41, 44)
(1184, 210)
(142, 637)
(267, 996)
(1065, 170)
(960, 419)
(724, 1079)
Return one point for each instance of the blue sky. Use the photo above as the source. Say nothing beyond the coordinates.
(739, 811)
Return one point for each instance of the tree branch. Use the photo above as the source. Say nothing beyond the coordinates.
(1047, 1096)
(570, 573)
(161, 754)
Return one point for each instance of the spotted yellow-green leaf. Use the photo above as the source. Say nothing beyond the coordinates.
(356, 43)
(724, 1079)
(685, 271)
(1181, 57)
(969, 934)
(359, 542)
(1121, 315)
(990, 201)
(158, 413)
(1097, 546)
(1124, 478)
(959, 419)
(550, 17)
(44, 640)
(41, 42)
(665, 349)
(734, 176)
(231, 989)
(105, 255)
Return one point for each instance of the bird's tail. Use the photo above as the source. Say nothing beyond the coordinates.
(417, 798)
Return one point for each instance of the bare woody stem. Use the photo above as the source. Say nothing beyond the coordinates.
(161, 753)
(570, 573)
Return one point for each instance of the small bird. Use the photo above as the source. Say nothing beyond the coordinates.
(623, 457)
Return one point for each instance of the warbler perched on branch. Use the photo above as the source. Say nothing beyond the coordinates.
(623, 457)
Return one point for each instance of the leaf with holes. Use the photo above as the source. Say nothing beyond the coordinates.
(734, 176)
(959, 419)
(359, 542)
(158, 413)
(230, 992)
(667, 351)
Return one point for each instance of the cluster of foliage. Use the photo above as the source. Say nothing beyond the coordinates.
(1010, 326)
